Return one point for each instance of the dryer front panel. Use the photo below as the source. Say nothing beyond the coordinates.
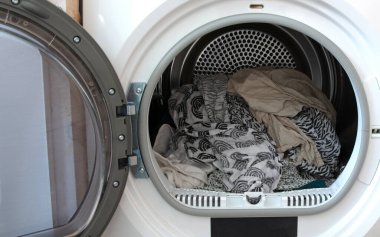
(165, 42)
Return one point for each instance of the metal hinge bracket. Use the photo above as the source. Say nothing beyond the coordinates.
(127, 161)
(128, 109)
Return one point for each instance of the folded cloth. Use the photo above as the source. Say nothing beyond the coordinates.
(180, 173)
(274, 96)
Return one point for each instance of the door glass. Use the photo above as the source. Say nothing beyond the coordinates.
(49, 139)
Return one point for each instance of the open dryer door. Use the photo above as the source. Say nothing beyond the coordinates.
(65, 137)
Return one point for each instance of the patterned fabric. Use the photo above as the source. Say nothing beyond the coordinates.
(213, 88)
(238, 146)
(290, 177)
(215, 182)
(186, 106)
(276, 95)
(319, 128)
(215, 128)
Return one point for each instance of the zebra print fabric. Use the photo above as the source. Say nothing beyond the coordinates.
(213, 88)
(319, 128)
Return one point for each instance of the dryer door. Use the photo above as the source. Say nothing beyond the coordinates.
(65, 138)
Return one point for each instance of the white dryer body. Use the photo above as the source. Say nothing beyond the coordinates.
(347, 29)
(77, 126)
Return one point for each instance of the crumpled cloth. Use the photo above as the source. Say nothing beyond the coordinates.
(180, 172)
(216, 128)
(320, 129)
(274, 96)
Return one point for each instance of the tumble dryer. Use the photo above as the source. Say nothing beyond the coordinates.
(77, 129)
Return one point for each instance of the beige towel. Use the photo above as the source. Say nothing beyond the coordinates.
(274, 96)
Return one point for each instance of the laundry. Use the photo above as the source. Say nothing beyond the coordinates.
(275, 97)
(217, 128)
(291, 179)
(179, 171)
(320, 129)
(218, 139)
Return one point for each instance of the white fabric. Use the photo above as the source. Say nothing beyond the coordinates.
(180, 174)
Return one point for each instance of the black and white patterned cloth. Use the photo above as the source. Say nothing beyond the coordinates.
(319, 128)
(214, 127)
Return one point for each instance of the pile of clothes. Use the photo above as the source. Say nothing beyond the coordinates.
(255, 130)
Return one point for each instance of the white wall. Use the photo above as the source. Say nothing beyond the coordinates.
(25, 200)
(60, 3)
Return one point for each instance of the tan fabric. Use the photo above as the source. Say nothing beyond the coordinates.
(274, 96)
(287, 135)
(179, 174)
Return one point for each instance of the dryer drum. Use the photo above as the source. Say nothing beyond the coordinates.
(236, 47)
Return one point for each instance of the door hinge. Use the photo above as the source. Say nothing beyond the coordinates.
(126, 109)
(127, 161)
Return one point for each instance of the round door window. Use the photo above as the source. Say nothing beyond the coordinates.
(59, 97)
